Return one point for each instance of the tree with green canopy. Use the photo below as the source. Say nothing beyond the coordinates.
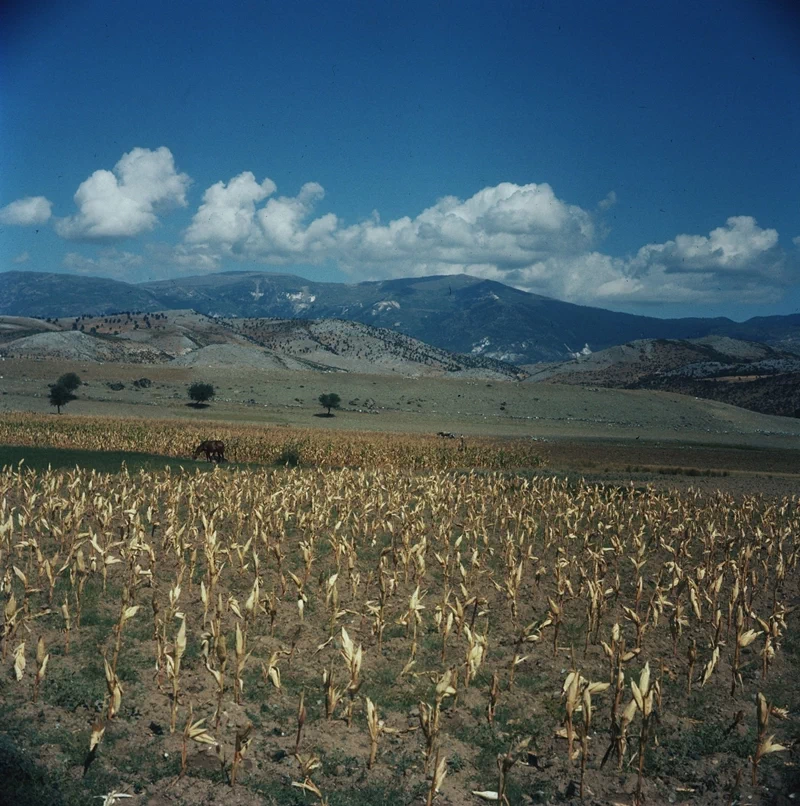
(330, 400)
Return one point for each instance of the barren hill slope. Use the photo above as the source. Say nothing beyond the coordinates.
(187, 338)
(354, 347)
(15, 325)
(76, 346)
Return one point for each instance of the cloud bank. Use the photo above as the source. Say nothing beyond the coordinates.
(522, 235)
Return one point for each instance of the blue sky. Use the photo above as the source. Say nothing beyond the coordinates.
(635, 156)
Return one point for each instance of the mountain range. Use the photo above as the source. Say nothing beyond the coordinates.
(458, 313)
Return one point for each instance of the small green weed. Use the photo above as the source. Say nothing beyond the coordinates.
(73, 688)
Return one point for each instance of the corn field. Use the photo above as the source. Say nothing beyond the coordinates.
(270, 445)
(380, 634)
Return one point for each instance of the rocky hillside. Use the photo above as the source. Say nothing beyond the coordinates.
(746, 374)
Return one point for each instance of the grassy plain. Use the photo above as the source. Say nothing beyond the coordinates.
(397, 404)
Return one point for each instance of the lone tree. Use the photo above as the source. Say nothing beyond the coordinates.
(70, 381)
(330, 401)
(200, 393)
(60, 395)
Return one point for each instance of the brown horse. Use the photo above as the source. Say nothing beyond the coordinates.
(214, 449)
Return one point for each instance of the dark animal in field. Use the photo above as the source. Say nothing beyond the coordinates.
(462, 445)
(214, 449)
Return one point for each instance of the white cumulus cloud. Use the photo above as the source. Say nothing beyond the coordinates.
(282, 232)
(227, 213)
(122, 203)
(740, 245)
(230, 222)
(26, 212)
(737, 262)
